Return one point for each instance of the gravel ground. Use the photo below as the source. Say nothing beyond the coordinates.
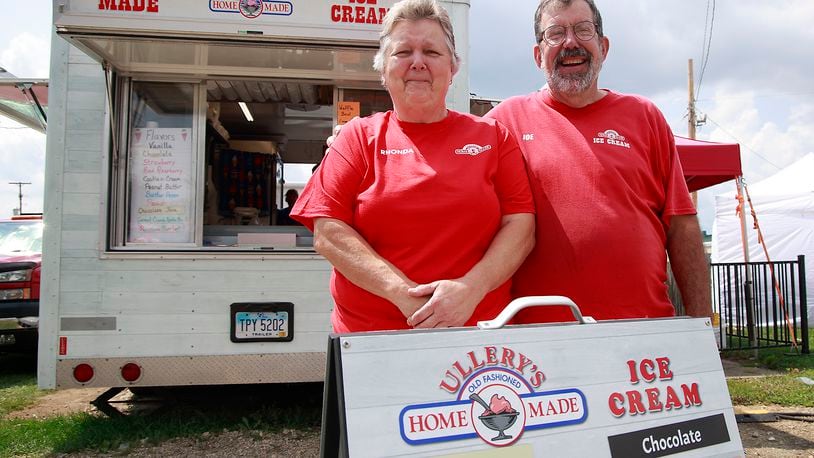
(778, 439)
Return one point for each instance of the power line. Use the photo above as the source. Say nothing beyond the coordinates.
(709, 22)
(738, 141)
(754, 96)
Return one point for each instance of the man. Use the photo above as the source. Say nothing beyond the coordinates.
(607, 183)
(283, 215)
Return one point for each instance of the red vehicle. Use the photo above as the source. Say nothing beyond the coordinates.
(20, 264)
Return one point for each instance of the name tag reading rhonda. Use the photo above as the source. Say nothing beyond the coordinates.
(262, 322)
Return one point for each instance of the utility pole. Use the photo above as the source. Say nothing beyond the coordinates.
(691, 119)
(20, 193)
(692, 123)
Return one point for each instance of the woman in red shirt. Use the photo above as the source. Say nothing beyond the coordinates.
(424, 212)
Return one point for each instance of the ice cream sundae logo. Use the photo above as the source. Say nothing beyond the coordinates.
(611, 137)
(472, 149)
(494, 403)
(252, 9)
(498, 424)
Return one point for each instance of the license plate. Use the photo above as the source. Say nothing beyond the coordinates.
(250, 325)
(262, 322)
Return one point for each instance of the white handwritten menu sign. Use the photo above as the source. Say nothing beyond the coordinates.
(161, 177)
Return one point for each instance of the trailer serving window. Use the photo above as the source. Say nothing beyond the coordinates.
(210, 138)
(199, 165)
(209, 164)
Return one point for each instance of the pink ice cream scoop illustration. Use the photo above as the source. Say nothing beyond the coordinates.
(498, 404)
(498, 416)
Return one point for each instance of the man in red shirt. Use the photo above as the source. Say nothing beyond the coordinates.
(608, 186)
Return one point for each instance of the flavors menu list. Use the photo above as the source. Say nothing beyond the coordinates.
(161, 180)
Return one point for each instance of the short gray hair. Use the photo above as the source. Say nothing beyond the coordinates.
(544, 4)
(415, 10)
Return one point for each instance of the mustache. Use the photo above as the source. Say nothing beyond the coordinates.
(574, 52)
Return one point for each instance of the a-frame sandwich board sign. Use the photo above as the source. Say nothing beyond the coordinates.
(626, 388)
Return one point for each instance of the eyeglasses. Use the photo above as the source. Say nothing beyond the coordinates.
(556, 34)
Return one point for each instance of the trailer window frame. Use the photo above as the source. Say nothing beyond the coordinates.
(121, 189)
(122, 75)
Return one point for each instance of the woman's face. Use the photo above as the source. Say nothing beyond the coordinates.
(418, 66)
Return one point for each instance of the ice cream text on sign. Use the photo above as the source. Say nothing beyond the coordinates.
(359, 12)
(653, 399)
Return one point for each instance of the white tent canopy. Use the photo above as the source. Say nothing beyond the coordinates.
(784, 204)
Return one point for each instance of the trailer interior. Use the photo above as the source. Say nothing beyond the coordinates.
(257, 116)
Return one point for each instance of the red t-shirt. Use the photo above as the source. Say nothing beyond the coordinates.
(427, 197)
(606, 179)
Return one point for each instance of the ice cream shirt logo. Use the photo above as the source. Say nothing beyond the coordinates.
(495, 400)
(611, 137)
(472, 149)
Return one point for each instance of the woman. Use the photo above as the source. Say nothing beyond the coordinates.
(424, 212)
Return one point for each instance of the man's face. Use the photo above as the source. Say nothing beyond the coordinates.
(573, 66)
(291, 198)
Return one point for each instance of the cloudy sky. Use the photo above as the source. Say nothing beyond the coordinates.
(24, 43)
(756, 87)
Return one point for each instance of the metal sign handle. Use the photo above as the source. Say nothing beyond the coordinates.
(532, 301)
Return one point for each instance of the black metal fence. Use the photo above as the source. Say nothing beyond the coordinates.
(753, 312)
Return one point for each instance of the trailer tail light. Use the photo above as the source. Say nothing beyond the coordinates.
(82, 373)
(131, 372)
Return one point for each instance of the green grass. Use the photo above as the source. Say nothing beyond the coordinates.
(18, 384)
(88, 432)
(190, 412)
(785, 389)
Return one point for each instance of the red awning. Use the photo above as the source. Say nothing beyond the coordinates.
(706, 164)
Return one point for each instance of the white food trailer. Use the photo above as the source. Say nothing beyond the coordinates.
(164, 260)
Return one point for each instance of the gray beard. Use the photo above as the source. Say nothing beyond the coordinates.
(573, 84)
